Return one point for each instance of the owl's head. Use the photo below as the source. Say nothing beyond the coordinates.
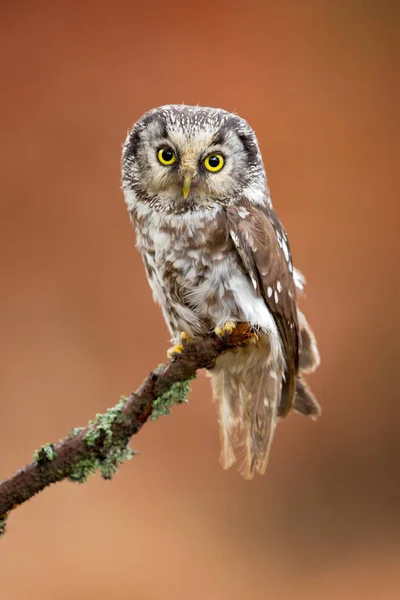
(180, 158)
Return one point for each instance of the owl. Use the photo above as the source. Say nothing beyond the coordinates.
(216, 255)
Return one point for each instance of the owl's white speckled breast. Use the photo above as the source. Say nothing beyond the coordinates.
(194, 271)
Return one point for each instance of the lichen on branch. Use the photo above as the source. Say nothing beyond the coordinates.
(114, 449)
(104, 443)
(176, 394)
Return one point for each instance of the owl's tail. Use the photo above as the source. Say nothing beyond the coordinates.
(247, 393)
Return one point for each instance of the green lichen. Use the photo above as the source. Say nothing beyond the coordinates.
(176, 394)
(44, 455)
(75, 431)
(107, 452)
(101, 426)
(3, 520)
(82, 469)
(107, 463)
(116, 455)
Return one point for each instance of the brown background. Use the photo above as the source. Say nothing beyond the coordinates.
(317, 80)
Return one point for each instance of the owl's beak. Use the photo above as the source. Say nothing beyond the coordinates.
(187, 182)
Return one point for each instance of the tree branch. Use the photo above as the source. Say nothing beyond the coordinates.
(103, 443)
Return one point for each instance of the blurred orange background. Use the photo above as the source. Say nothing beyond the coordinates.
(318, 82)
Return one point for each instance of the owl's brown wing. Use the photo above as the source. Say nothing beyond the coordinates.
(263, 247)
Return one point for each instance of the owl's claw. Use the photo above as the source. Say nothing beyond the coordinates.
(225, 331)
(239, 334)
(178, 349)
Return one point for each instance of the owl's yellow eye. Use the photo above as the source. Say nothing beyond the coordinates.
(214, 162)
(166, 156)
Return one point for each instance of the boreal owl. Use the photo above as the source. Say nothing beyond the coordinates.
(216, 255)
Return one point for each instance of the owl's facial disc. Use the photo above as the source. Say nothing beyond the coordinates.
(182, 158)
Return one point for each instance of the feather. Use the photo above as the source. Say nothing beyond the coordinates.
(262, 244)
(247, 391)
(263, 393)
(309, 355)
(305, 402)
(228, 414)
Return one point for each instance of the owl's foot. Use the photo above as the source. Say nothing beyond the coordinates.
(176, 350)
(225, 331)
(237, 334)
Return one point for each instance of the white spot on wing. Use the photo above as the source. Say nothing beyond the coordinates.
(243, 212)
(235, 238)
(269, 291)
(299, 279)
(285, 250)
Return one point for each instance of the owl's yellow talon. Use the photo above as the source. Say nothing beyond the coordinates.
(225, 330)
(171, 352)
(185, 339)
